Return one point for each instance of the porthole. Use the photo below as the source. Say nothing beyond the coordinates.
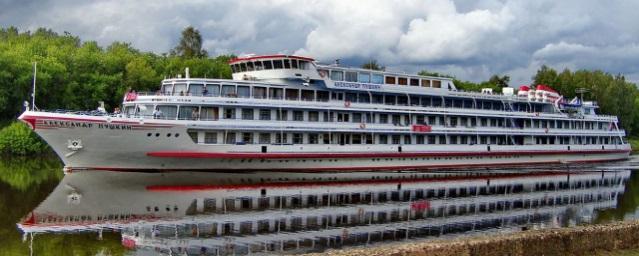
(177, 135)
(149, 134)
(168, 135)
(157, 134)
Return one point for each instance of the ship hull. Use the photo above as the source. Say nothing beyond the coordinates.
(127, 144)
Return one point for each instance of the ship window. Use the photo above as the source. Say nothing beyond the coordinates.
(210, 137)
(145, 110)
(402, 100)
(298, 115)
(277, 64)
(322, 95)
(259, 92)
(258, 65)
(402, 81)
(188, 113)
(247, 114)
(167, 112)
(352, 97)
(242, 67)
(313, 116)
(437, 84)
(313, 138)
(229, 113)
(265, 114)
(249, 66)
(195, 89)
(282, 115)
(364, 98)
(383, 118)
(294, 64)
(357, 117)
(303, 64)
(298, 138)
(211, 89)
(247, 137)
(292, 94)
(377, 79)
(308, 95)
(351, 76)
(230, 138)
(244, 91)
(390, 80)
(425, 83)
(390, 100)
(276, 93)
(287, 63)
(378, 98)
(228, 90)
(168, 89)
(234, 68)
(265, 138)
(414, 82)
(337, 75)
(208, 113)
(364, 77)
(267, 64)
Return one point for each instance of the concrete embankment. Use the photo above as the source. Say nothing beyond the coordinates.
(582, 240)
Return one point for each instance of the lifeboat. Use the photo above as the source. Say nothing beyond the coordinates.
(546, 94)
(523, 91)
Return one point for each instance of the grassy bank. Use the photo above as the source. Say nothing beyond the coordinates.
(16, 138)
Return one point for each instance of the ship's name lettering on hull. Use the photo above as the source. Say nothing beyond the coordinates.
(349, 85)
(71, 124)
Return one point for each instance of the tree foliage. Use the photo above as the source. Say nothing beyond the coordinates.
(73, 74)
(190, 45)
(373, 65)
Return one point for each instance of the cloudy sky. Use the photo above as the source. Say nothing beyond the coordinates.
(471, 39)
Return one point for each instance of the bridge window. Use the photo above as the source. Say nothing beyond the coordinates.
(364, 77)
(287, 63)
(249, 66)
(277, 64)
(337, 75)
(414, 82)
(402, 81)
(377, 79)
(267, 64)
(303, 64)
(351, 76)
(167, 112)
(242, 67)
(390, 80)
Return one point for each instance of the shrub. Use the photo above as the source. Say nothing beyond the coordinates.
(18, 139)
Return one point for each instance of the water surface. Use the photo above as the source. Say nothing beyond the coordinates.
(46, 212)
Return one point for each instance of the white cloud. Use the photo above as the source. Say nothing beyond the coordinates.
(471, 39)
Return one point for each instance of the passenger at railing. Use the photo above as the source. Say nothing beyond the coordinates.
(205, 92)
(195, 115)
(157, 114)
(181, 93)
(116, 111)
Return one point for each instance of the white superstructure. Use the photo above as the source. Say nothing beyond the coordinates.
(283, 112)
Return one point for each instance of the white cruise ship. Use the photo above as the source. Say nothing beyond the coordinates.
(289, 113)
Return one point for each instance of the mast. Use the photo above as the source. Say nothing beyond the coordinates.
(35, 73)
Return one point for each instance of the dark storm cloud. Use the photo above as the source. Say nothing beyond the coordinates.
(470, 39)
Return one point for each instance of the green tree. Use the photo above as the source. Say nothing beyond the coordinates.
(500, 81)
(373, 65)
(190, 45)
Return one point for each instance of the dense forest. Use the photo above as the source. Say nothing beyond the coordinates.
(73, 74)
(76, 74)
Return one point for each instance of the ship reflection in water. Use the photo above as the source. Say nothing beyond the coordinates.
(224, 213)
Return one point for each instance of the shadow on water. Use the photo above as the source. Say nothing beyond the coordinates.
(115, 213)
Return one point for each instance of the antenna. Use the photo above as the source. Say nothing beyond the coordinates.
(33, 93)
(581, 91)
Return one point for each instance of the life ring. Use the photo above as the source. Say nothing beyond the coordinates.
(362, 126)
(347, 103)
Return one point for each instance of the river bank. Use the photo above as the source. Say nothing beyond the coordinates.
(617, 238)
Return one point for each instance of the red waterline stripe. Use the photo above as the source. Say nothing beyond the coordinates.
(314, 183)
(181, 154)
(375, 168)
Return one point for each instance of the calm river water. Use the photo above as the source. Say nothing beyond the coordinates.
(46, 212)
